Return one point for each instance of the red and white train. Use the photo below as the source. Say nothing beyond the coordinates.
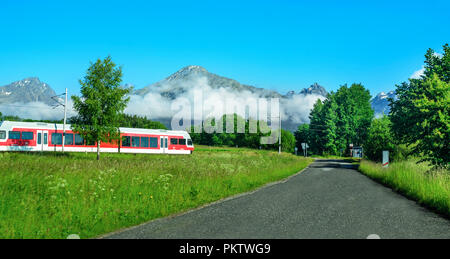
(37, 136)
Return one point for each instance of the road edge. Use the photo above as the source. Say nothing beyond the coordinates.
(205, 205)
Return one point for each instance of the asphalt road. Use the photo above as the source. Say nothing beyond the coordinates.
(327, 200)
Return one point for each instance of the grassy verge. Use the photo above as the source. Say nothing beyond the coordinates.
(431, 189)
(53, 195)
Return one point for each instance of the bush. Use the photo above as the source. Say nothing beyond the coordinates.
(379, 138)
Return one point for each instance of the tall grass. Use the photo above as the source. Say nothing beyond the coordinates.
(430, 188)
(53, 195)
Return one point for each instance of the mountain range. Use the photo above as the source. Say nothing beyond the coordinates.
(176, 85)
(27, 90)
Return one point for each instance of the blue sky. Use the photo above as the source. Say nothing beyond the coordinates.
(279, 45)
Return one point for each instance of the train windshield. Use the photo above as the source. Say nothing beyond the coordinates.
(189, 141)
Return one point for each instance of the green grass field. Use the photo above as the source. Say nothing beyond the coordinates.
(53, 195)
(431, 189)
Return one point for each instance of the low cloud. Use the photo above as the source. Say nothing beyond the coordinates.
(36, 110)
(156, 106)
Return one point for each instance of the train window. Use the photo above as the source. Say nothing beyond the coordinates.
(27, 135)
(79, 141)
(126, 141)
(153, 142)
(173, 141)
(2, 134)
(45, 139)
(56, 139)
(182, 141)
(135, 141)
(189, 142)
(144, 141)
(14, 135)
(39, 138)
(68, 139)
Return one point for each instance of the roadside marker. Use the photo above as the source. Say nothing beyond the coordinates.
(385, 159)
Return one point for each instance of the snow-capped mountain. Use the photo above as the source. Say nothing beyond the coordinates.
(176, 84)
(380, 103)
(27, 90)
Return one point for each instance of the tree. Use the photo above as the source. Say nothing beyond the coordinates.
(435, 64)
(302, 135)
(101, 104)
(331, 119)
(341, 119)
(317, 128)
(287, 141)
(420, 116)
(379, 138)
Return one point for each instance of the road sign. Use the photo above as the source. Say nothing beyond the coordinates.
(385, 159)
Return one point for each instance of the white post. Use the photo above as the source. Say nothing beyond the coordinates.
(64, 125)
(385, 163)
(279, 138)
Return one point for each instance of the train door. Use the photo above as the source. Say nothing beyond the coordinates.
(42, 140)
(163, 144)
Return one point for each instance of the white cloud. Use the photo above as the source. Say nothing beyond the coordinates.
(155, 106)
(418, 74)
(36, 110)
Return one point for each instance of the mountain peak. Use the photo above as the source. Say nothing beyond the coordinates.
(30, 89)
(187, 72)
(29, 81)
(380, 103)
(195, 68)
(314, 89)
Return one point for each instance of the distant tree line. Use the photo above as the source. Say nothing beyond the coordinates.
(245, 139)
(17, 118)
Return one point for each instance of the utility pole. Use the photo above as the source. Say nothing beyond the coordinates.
(56, 99)
(64, 125)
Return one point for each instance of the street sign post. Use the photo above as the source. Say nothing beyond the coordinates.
(305, 149)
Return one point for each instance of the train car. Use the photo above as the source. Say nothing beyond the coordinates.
(37, 136)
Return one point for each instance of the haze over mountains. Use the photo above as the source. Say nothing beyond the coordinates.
(155, 100)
